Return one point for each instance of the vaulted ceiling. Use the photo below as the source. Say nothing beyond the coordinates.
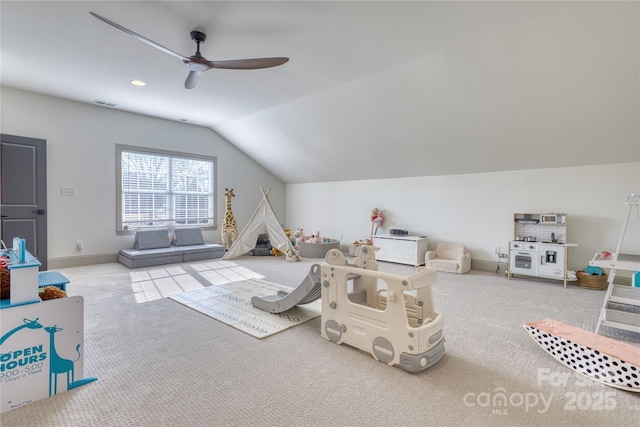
(373, 89)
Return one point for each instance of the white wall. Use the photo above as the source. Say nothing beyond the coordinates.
(474, 209)
(477, 209)
(81, 153)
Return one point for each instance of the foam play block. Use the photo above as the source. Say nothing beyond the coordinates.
(202, 252)
(134, 258)
(151, 239)
(187, 237)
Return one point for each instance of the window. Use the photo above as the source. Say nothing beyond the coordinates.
(159, 188)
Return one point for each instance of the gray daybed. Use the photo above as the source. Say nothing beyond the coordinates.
(155, 247)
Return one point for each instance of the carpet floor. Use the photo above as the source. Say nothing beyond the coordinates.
(160, 363)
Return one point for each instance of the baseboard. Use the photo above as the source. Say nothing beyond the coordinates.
(82, 260)
(622, 278)
(476, 264)
(489, 266)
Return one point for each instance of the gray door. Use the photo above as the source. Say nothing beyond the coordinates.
(23, 193)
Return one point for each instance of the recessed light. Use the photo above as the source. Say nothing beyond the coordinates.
(137, 83)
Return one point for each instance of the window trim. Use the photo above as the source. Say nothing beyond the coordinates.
(155, 151)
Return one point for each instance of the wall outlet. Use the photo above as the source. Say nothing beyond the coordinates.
(67, 191)
(79, 244)
(341, 236)
(496, 250)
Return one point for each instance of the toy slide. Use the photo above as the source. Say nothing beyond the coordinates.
(308, 291)
(611, 362)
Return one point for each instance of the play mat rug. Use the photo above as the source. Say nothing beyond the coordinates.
(158, 282)
(230, 303)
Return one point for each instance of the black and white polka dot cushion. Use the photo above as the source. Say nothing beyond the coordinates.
(593, 363)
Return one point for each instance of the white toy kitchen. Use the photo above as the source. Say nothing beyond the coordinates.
(539, 247)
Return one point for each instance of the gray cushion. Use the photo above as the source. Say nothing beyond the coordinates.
(208, 248)
(153, 253)
(197, 253)
(151, 239)
(187, 236)
(153, 247)
(133, 258)
(147, 262)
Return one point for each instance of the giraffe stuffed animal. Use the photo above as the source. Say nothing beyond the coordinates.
(229, 225)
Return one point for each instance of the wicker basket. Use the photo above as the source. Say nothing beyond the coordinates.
(592, 281)
(5, 285)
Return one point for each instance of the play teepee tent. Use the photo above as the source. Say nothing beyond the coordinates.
(263, 221)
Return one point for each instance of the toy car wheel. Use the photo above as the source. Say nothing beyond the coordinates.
(333, 330)
(382, 350)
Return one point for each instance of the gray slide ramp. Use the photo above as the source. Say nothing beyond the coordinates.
(306, 292)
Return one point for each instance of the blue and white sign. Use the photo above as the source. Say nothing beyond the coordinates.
(41, 350)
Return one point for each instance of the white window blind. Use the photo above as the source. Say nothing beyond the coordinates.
(164, 189)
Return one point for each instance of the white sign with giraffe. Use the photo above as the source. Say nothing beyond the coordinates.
(41, 350)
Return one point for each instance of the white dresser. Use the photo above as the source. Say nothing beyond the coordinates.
(401, 249)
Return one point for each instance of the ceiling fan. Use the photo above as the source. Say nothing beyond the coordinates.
(198, 64)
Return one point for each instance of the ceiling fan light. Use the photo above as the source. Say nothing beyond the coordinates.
(195, 66)
(138, 83)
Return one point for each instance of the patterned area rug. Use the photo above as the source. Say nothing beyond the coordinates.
(230, 303)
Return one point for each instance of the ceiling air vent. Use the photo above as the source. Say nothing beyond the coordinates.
(104, 104)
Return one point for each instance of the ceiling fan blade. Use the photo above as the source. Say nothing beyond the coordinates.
(248, 64)
(142, 38)
(192, 79)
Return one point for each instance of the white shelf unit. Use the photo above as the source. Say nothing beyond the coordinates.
(621, 306)
(401, 249)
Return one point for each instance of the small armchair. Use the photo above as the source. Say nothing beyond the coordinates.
(450, 258)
